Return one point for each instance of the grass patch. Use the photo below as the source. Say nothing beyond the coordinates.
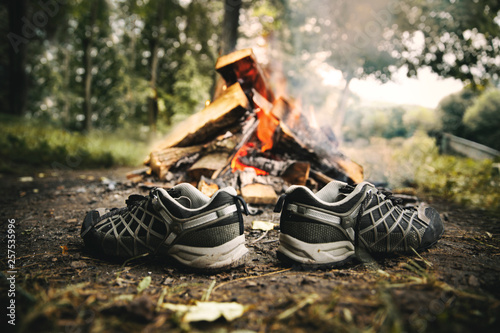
(416, 162)
(31, 143)
(462, 180)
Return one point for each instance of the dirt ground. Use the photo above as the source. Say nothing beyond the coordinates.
(453, 287)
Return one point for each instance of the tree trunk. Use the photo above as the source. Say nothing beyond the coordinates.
(133, 57)
(341, 110)
(231, 24)
(153, 98)
(229, 38)
(154, 46)
(66, 118)
(18, 87)
(87, 65)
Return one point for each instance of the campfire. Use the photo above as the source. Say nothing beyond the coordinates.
(249, 139)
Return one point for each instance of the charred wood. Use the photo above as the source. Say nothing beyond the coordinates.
(206, 125)
(242, 66)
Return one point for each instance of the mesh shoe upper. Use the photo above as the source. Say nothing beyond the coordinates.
(364, 216)
(154, 223)
(387, 227)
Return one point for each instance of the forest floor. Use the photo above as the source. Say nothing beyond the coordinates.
(452, 287)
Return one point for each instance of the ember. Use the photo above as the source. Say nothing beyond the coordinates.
(247, 136)
(236, 164)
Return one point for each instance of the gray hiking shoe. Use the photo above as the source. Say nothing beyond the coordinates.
(341, 222)
(181, 223)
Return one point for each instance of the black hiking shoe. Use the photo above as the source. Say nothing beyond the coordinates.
(181, 223)
(341, 222)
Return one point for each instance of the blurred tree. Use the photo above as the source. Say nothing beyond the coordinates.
(387, 121)
(421, 118)
(26, 26)
(482, 119)
(345, 35)
(93, 23)
(451, 110)
(455, 38)
(175, 39)
(18, 88)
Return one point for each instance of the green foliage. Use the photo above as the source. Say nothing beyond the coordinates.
(455, 38)
(35, 143)
(464, 181)
(189, 89)
(482, 119)
(119, 38)
(387, 121)
(421, 118)
(451, 110)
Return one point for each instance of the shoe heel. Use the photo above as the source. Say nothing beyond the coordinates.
(227, 255)
(334, 253)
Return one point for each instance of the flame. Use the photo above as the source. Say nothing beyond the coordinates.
(207, 103)
(237, 165)
(266, 128)
(224, 87)
(312, 118)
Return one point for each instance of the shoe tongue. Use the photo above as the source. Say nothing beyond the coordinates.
(185, 201)
(331, 191)
(176, 194)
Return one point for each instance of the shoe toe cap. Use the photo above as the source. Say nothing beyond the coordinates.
(91, 219)
(435, 228)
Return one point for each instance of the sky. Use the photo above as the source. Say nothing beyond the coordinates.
(427, 89)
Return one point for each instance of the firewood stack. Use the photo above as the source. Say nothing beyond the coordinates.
(249, 139)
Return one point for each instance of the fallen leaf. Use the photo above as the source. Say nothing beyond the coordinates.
(78, 264)
(64, 249)
(262, 225)
(26, 179)
(207, 311)
(144, 284)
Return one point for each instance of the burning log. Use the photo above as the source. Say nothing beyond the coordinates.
(247, 132)
(242, 66)
(205, 125)
(161, 161)
(207, 165)
(297, 173)
(316, 143)
(249, 140)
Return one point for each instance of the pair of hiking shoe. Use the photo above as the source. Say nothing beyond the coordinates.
(328, 228)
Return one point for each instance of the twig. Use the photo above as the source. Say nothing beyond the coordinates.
(133, 258)
(485, 244)
(164, 291)
(418, 255)
(290, 311)
(258, 239)
(206, 296)
(250, 277)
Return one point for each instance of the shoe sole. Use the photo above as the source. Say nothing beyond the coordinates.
(322, 254)
(225, 256)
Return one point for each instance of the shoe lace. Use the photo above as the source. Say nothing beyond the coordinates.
(390, 196)
(136, 200)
